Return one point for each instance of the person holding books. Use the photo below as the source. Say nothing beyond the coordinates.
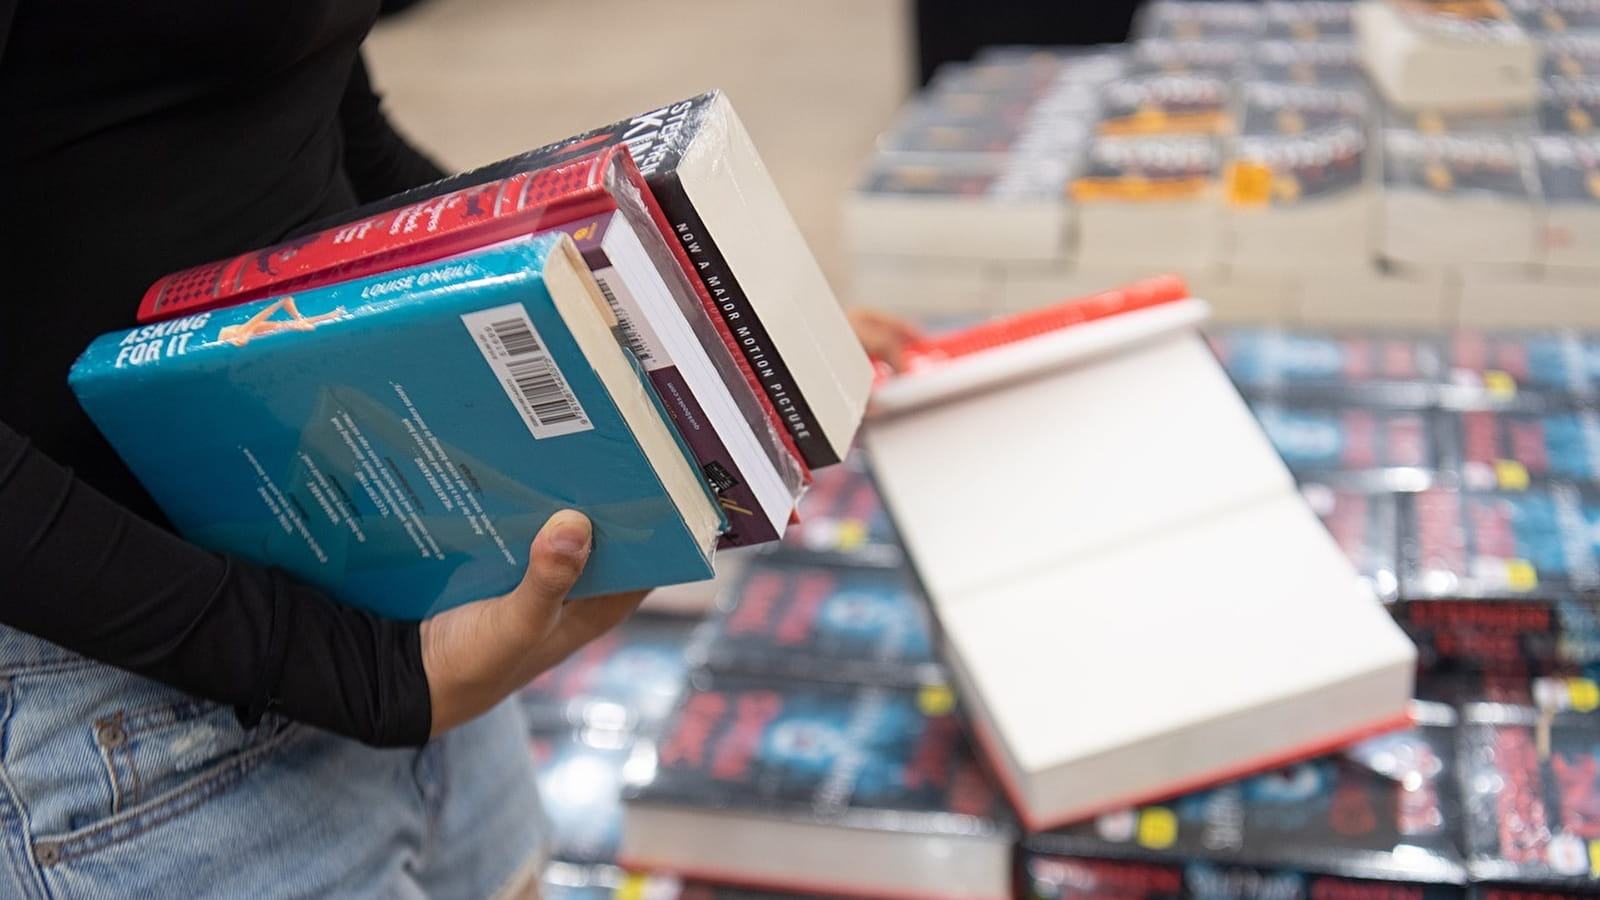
(136, 141)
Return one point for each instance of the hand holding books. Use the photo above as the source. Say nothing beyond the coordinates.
(477, 654)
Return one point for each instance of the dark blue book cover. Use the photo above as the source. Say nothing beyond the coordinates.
(1532, 783)
(1385, 809)
(1365, 368)
(1534, 543)
(627, 679)
(868, 757)
(1348, 446)
(848, 624)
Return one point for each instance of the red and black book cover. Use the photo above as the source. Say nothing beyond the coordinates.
(866, 757)
(1385, 809)
(849, 624)
(657, 141)
(1532, 801)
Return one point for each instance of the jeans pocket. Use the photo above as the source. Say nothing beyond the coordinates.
(157, 749)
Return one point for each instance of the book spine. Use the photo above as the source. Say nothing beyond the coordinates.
(748, 522)
(655, 207)
(411, 235)
(751, 342)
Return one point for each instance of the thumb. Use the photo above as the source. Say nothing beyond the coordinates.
(555, 561)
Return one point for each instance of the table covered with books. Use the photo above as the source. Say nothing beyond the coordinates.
(1458, 471)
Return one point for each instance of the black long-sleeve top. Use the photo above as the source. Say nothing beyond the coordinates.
(137, 139)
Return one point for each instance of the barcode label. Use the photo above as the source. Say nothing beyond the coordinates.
(531, 379)
(627, 329)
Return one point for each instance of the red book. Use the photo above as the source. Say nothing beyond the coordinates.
(437, 227)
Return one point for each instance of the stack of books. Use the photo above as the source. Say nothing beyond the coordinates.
(626, 322)
(1328, 164)
(801, 750)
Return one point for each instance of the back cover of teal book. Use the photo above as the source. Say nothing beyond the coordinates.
(398, 440)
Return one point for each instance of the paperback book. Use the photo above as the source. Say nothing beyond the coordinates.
(1307, 21)
(1511, 450)
(721, 211)
(1531, 780)
(1322, 63)
(1355, 447)
(398, 440)
(1534, 543)
(823, 623)
(1385, 809)
(1569, 181)
(1363, 368)
(865, 791)
(1506, 368)
(1201, 21)
(1051, 877)
(1456, 198)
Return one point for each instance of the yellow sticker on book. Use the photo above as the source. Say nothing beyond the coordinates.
(1521, 575)
(1249, 184)
(1501, 385)
(1583, 694)
(1594, 859)
(632, 887)
(850, 534)
(1158, 828)
(936, 700)
(1512, 475)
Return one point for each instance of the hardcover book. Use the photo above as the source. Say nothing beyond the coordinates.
(823, 623)
(628, 679)
(398, 440)
(721, 207)
(1386, 808)
(1502, 544)
(856, 790)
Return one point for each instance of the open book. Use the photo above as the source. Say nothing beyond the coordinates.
(1134, 599)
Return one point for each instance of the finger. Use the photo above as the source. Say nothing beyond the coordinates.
(555, 561)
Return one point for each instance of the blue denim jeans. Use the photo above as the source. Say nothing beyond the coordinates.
(114, 786)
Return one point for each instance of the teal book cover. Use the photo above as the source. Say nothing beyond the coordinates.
(396, 440)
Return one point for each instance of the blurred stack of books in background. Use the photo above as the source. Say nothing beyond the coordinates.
(795, 734)
(1386, 162)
